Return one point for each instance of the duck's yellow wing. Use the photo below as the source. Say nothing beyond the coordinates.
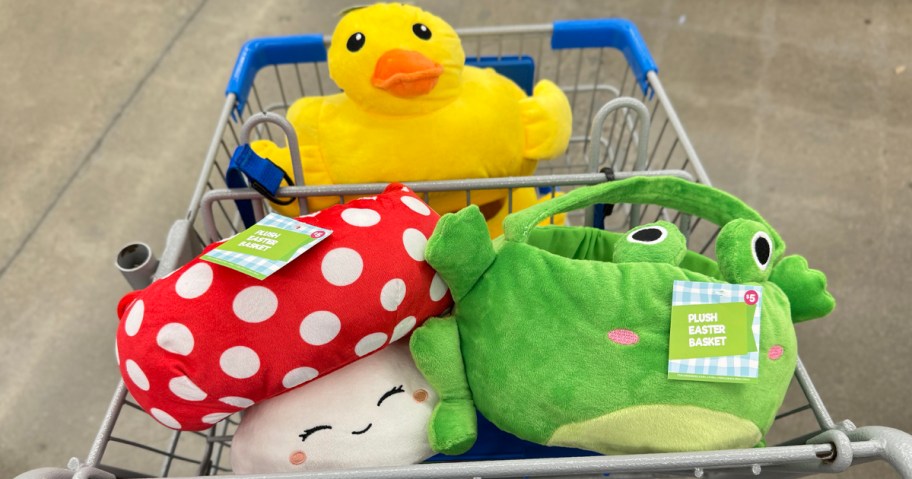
(547, 120)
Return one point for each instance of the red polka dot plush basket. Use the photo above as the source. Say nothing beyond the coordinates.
(207, 341)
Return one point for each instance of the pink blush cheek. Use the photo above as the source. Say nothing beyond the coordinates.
(624, 337)
(775, 352)
(420, 395)
(297, 458)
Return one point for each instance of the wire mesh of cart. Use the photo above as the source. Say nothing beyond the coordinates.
(624, 125)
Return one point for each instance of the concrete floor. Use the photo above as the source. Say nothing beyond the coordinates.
(797, 107)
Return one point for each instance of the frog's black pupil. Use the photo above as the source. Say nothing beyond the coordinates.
(355, 42)
(647, 235)
(762, 248)
(421, 31)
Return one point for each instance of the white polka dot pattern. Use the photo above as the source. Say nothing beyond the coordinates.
(195, 281)
(392, 294)
(137, 375)
(237, 401)
(255, 304)
(415, 242)
(134, 318)
(320, 327)
(342, 266)
(298, 376)
(438, 288)
(239, 362)
(175, 338)
(164, 418)
(360, 217)
(403, 328)
(370, 343)
(416, 205)
(184, 388)
(215, 417)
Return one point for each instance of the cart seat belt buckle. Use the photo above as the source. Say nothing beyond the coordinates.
(246, 168)
(262, 174)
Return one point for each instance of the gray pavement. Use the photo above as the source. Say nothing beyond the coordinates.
(797, 107)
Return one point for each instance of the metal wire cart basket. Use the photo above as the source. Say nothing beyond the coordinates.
(624, 125)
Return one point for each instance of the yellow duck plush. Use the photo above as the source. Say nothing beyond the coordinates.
(411, 110)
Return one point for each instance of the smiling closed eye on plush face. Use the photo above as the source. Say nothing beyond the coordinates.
(373, 412)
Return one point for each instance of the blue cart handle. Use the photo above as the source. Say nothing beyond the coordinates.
(618, 33)
(260, 52)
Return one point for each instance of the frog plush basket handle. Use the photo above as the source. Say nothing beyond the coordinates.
(670, 192)
(560, 335)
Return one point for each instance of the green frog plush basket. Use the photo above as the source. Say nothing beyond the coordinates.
(560, 335)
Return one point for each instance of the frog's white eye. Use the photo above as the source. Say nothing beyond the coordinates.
(761, 247)
(648, 235)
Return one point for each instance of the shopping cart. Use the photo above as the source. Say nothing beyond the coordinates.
(624, 125)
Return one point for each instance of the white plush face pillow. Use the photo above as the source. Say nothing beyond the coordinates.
(373, 412)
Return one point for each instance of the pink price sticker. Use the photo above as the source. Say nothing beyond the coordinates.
(751, 297)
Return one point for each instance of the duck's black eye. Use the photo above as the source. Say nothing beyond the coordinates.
(762, 249)
(650, 235)
(422, 31)
(355, 42)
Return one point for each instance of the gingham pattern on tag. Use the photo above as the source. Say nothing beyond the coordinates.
(262, 267)
(744, 366)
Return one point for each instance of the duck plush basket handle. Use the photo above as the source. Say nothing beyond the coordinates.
(561, 335)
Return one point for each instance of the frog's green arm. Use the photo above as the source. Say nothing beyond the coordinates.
(460, 250)
(806, 288)
(435, 348)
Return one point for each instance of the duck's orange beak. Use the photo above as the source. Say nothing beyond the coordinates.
(406, 73)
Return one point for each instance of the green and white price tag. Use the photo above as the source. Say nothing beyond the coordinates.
(267, 246)
(715, 332)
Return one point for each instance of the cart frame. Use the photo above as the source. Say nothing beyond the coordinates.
(601, 154)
